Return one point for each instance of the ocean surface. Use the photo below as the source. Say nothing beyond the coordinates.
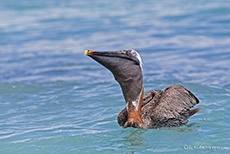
(53, 99)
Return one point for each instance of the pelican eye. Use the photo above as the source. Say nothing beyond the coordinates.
(133, 52)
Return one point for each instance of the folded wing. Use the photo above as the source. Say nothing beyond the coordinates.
(167, 108)
(175, 101)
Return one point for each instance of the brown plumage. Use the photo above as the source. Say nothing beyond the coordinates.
(168, 108)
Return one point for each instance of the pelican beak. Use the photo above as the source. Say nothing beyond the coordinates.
(105, 53)
(111, 56)
(115, 61)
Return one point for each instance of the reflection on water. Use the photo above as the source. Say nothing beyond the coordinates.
(190, 127)
(135, 138)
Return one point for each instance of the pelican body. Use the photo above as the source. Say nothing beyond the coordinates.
(155, 109)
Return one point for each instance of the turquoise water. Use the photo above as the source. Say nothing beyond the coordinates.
(53, 99)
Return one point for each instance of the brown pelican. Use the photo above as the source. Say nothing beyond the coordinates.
(155, 109)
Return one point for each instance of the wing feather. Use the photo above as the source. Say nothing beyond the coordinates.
(174, 101)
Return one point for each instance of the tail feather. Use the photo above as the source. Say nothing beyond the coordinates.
(194, 111)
